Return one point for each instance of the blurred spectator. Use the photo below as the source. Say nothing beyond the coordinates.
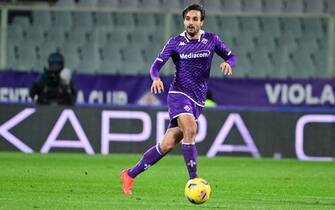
(209, 100)
(54, 85)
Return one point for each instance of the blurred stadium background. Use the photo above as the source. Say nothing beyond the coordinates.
(280, 103)
(285, 51)
(272, 38)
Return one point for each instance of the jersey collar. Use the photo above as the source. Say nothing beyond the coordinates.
(183, 34)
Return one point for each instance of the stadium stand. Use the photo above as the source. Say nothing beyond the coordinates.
(273, 6)
(268, 39)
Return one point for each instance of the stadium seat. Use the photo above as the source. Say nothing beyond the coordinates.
(104, 19)
(310, 45)
(146, 22)
(213, 5)
(321, 64)
(56, 34)
(133, 60)
(83, 20)
(119, 38)
(230, 24)
(254, 6)
(283, 64)
(100, 35)
(260, 63)
(36, 34)
(293, 6)
(128, 4)
(111, 59)
(141, 37)
(313, 26)
(228, 38)
(303, 63)
(185, 3)
(158, 38)
(272, 6)
(330, 6)
(171, 5)
(11, 56)
(212, 24)
(250, 25)
(266, 40)
(90, 58)
(87, 3)
(151, 52)
(108, 3)
(312, 6)
(292, 25)
(177, 25)
(270, 25)
(21, 21)
(77, 36)
(26, 57)
(288, 39)
(246, 41)
(65, 3)
(232, 6)
(15, 33)
(63, 19)
(243, 68)
(110, 66)
(124, 21)
(69, 48)
(70, 52)
(42, 18)
(149, 5)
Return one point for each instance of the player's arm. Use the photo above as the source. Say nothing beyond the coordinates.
(157, 85)
(224, 52)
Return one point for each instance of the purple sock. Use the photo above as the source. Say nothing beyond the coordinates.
(190, 157)
(149, 158)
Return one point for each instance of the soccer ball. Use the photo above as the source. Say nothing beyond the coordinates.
(197, 191)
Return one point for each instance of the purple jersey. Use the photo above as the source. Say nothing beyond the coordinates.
(192, 60)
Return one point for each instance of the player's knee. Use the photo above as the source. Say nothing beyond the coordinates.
(190, 132)
(167, 147)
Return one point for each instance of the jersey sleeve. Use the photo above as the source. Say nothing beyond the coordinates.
(224, 52)
(162, 58)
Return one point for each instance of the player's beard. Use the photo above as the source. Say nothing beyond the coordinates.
(192, 31)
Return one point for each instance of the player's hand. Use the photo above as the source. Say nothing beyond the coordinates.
(226, 69)
(157, 86)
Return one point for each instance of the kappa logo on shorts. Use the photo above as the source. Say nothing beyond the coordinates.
(187, 108)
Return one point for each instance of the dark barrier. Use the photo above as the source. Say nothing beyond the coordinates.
(306, 136)
(110, 89)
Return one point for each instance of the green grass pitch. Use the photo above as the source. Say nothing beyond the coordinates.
(78, 181)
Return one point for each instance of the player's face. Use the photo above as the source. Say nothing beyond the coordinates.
(192, 22)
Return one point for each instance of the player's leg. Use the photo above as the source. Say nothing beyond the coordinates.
(150, 157)
(172, 137)
(155, 153)
(188, 126)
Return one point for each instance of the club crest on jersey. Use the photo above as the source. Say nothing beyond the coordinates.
(198, 54)
(204, 41)
(187, 108)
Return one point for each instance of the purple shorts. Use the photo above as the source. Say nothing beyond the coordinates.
(180, 104)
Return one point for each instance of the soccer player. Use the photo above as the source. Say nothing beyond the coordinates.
(192, 53)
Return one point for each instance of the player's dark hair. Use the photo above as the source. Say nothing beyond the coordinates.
(194, 7)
